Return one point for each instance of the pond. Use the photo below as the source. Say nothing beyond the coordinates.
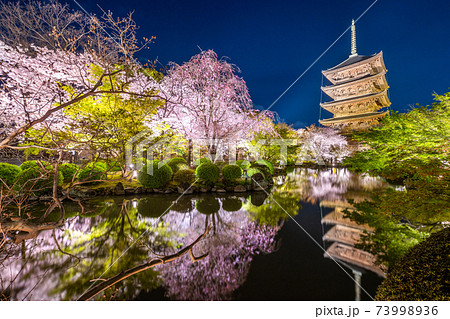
(292, 245)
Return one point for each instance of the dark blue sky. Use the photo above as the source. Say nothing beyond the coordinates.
(273, 42)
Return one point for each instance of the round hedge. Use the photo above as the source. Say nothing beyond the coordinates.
(177, 163)
(37, 177)
(68, 170)
(159, 177)
(244, 164)
(9, 173)
(231, 172)
(231, 204)
(201, 161)
(207, 206)
(208, 172)
(422, 273)
(92, 171)
(185, 177)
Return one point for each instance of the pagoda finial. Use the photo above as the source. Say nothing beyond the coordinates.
(353, 52)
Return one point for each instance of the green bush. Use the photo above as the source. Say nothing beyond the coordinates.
(37, 178)
(8, 173)
(92, 171)
(202, 161)
(185, 177)
(422, 273)
(177, 163)
(244, 164)
(251, 171)
(159, 177)
(231, 204)
(68, 171)
(208, 205)
(231, 172)
(208, 172)
(264, 165)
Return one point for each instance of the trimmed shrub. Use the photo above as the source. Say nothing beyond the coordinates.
(202, 161)
(231, 204)
(68, 170)
(208, 205)
(159, 177)
(422, 273)
(37, 177)
(92, 171)
(8, 173)
(177, 163)
(244, 164)
(264, 163)
(251, 171)
(208, 172)
(231, 172)
(185, 177)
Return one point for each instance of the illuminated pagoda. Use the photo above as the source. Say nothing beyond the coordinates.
(359, 90)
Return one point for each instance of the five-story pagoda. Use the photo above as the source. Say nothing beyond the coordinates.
(358, 90)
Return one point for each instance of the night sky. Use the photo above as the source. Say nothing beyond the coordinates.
(273, 42)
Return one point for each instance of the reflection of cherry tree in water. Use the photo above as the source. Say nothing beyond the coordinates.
(29, 270)
(231, 247)
(58, 264)
(329, 185)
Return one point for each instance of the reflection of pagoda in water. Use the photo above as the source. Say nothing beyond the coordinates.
(358, 90)
(343, 235)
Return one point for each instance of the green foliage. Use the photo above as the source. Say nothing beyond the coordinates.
(287, 203)
(252, 171)
(231, 172)
(208, 205)
(208, 172)
(268, 165)
(8, 174)
(231, 204)
(406, 142)
(410, 149)
(390, 238)
(37, 178)
(185, 177)
(244, 164)
(68, 171)
(422, 273)
(202, 160)
(272, 151)
(177, 163)
(92, 171)
(161, 175)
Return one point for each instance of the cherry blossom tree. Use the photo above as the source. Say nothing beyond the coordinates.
(322, 145)
(206, 100)
(40, 76)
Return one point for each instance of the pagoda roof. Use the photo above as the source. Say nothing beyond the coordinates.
(352, 60)
(356, 98)
(353, 117)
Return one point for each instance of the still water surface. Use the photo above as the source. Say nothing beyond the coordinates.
(259, 247)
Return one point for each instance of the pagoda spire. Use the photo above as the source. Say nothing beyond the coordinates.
(353, 28)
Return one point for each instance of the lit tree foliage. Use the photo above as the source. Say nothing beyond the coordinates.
(412, 150)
